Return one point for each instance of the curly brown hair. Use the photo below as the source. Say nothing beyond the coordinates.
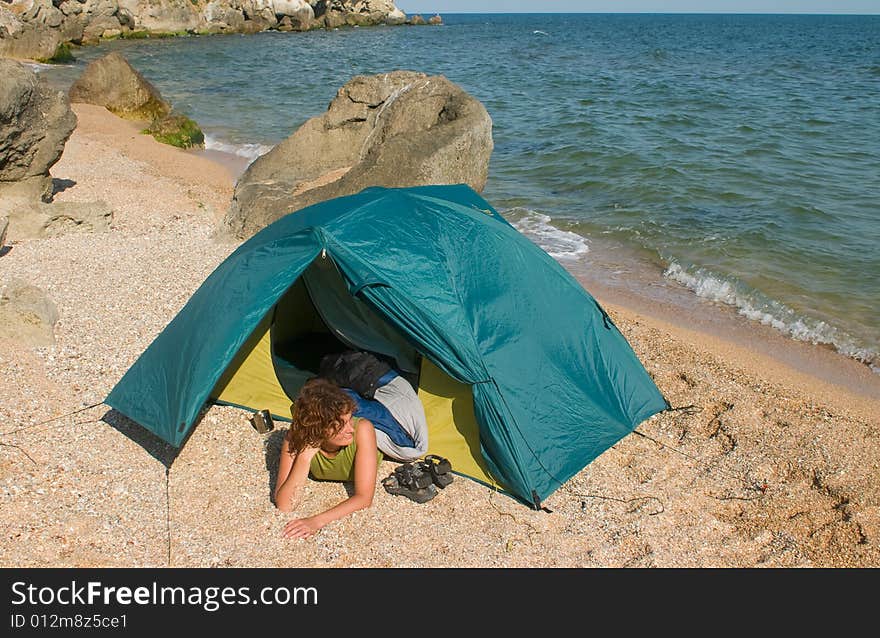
(317, 414)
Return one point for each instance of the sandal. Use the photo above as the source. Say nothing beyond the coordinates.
(439, 468)
(393, 486)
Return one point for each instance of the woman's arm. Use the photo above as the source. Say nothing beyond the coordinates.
(292, 474)
(365, 468)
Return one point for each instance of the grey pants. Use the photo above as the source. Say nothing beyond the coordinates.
(403, 403)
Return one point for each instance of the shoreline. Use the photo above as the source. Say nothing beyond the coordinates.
(105, 494)
(720, 328)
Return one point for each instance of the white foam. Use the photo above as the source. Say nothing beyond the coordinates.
(755, 306)
(559, 244)
(248, 151)
(36, 67)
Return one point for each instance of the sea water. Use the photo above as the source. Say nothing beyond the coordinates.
(734, 159)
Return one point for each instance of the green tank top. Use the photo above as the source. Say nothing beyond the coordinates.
(341, 466)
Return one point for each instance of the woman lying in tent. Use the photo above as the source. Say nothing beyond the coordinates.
(326, 441)
(336, 434)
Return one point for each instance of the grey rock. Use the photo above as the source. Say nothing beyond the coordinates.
(26, 40)
(70, 7)
(27, 314)
(34, 28)
(4, 224)
(395, 17)
(299, 9)
(30, 189)
(359, 12)
(221, 17)
(98, 27)
(111, 82)
(35, 123)
(164, 16)
(43, 12)
(393, 129)
(38, 220)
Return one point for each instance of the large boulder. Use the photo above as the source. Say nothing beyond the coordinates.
(295, 15)
(27, 314)
(219, 17)
(35, 123)
(101, 21)
(260, 14)
(298, 9)
(111, 82)
(393, 129)
(395, 17)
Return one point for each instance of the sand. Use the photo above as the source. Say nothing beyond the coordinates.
(774, 465)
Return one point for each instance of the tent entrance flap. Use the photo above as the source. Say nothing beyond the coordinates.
(269, 369)
(250, 380)
(353, 322)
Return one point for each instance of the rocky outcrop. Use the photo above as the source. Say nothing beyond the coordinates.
(417, 19)
(27, 314)
(33, 29)
(333, 14)
(113, 83)
(394, 129)
(35, 123)
(27, 40)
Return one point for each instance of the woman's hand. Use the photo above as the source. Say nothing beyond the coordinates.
(310, 452)
(300, 528)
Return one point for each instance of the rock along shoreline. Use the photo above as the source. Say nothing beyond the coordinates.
(44, 30)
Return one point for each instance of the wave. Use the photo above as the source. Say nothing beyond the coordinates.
(755, 306)
(559, 244)
(248, 151)
(37, 67)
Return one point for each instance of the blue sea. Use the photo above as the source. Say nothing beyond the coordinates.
(730, 159)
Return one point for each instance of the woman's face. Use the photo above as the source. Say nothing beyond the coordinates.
(345, 435)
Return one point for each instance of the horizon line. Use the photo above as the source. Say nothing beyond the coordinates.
(803, 13)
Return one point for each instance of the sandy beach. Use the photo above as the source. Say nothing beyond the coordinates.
(776, 463)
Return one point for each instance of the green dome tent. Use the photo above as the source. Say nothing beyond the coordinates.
(523, 376)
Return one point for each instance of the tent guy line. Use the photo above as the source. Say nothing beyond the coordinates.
(54, 418)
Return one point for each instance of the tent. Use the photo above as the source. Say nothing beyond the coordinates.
(524, 377)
